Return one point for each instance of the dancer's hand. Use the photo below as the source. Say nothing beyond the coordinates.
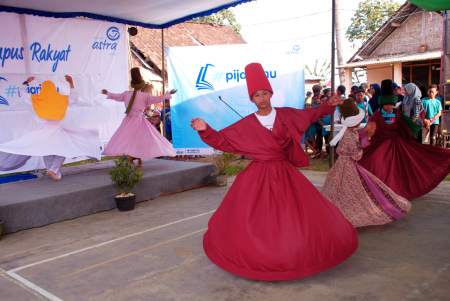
(173, 91)
(30, 79)
(335, 100)
(198, 124)
(370, 128)
(104, 91)
(70, 81)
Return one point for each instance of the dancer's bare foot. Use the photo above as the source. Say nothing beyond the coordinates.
(140, 163)
(53, 175)
(130, 159)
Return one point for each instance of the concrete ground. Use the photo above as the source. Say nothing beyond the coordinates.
(155, 253)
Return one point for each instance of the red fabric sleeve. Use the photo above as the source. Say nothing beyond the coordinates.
(216, 140)
(302, 118)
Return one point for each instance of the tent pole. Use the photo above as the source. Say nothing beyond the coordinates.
(163, 82)
(333, 48)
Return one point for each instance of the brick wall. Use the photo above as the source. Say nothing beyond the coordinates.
(408, 37)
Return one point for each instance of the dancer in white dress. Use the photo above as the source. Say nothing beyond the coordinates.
(51, 140)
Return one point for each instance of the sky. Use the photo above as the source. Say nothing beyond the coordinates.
(309, 25)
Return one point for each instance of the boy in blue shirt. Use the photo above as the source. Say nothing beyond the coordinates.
(360, 103)
(433, 109)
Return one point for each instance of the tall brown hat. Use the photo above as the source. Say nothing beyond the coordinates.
(348, 108)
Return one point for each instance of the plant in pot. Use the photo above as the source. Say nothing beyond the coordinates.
(124, 177)
(222, 161)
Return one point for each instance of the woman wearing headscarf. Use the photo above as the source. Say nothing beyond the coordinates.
(373, 101)
(412, 106)
(409, 168)
(136, 137)
(50, 139)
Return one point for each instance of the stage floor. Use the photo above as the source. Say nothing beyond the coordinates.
(155, 253)
(87, 189)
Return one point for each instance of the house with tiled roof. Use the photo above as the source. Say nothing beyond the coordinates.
(406, 49)
(146, 45)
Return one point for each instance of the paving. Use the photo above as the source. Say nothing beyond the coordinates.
(155, 253)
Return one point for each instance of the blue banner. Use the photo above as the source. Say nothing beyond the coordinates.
(211, 85)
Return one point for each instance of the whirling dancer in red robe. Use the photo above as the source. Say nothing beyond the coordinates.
(411, 169)
(273, 224)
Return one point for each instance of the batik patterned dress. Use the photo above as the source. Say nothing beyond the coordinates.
(363, 198)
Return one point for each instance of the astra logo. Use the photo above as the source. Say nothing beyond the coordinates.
(113, 34)
(219, 76)
(294, 50)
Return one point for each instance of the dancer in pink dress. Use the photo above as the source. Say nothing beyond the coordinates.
(136, 137)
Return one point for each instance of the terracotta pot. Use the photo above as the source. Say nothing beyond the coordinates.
(219, 180)
(125, 203)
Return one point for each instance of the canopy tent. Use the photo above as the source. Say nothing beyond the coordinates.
(432, 5)
(145, 13)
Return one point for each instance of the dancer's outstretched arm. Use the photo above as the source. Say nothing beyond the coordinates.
(211, 137)
(116, 97)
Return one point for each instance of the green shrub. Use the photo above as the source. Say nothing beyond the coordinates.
(223, 160)
(123, 175)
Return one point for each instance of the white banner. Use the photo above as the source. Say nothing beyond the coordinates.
(211, 85)
(94, 53)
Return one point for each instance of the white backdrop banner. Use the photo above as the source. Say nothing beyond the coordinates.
(93, 52)
(205, 75)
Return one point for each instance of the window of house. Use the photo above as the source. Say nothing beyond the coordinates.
(421, 73)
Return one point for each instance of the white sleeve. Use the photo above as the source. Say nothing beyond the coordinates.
(24, 95)
(73, 97)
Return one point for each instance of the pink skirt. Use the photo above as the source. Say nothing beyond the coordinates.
(138, 138)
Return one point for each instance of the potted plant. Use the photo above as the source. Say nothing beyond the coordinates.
(222, 161)
(124, 177)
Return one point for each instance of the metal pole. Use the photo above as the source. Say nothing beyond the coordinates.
(163, 83)
(333, 58)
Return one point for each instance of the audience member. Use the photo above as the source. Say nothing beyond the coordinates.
(341, 91)
(375, 91)
(433, 108)
(310, 137)
(366, 89)
(316, 89)
(397, 90)
(308, 97)
(360, 103)
(412, 107)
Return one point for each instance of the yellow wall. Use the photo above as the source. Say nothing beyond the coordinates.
(379, 72)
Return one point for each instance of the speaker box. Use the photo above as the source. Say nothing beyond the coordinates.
(445, 122)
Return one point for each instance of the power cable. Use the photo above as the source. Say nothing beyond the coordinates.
(282, 20)
(288, 19)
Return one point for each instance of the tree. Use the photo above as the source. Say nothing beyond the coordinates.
(371, 14)
(223, 17)
(324, 71)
